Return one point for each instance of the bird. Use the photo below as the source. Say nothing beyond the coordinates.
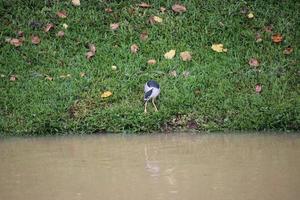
(151, 91)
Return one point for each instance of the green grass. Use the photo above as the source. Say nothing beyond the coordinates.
(219, 94)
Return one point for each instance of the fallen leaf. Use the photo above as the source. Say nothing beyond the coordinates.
(258, 88)
(49, 78)
(60, 34)
(186, 74)
(277, 38)
(65, 76)
(48, 27)
(218, 48)
(131, 11)
(82, 74)
(108, 10)
(20, 33)
(76, 2)
(13, 78)
(288, 50)
(144, 36)
(106, 94)
(134, 48)
(114, 67)
(173, 73)
(250, 15)
(92, 48)
(114, 26)
(162, 9)
(61, 14)
(258, 37)
(151, 62)
(91, 52)
(244, 10)
(253, 62)
(170, 54)
(8, 39)
(15, 42)
(65, 26)
(89, 55)
(269, 28)
(144, 5)
(197, 92)
(157, 19)
(185, 56)
(35, 39)
(178, 8)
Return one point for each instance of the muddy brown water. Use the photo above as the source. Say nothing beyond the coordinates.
(173, 166)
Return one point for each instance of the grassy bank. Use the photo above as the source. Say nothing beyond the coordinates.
(51, 87)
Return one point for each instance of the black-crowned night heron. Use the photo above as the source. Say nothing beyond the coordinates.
(151, 90)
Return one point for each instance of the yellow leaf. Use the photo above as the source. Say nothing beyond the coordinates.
(250, 15)
(157, 19)
(76, 2)
(218, 48)
(106, 94)
(170, 54)
(65, 26)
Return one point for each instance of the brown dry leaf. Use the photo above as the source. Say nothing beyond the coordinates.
(106, 94)
(170, 54)
(144, 36)
(173, 73)
(13, 78)
(35, 39)
(258, 88)
(108, 10)
(91, 52)
(76, 2)
(288, 50)
(178, 8)
(62, 14)
(151, 62)
(134, 48)
(92, 48)
(253, 62)
(89, 55)
(186, 56)
(218, 48)
(277, 38)
(15, 42)
(162, 9)
(114, 26)
(49, 78)
(269, 28)
(60, 34)
(82, 74)
(48, 27)
(144, 5)
(20, 33)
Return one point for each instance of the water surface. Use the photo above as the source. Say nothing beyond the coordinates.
(179, 166)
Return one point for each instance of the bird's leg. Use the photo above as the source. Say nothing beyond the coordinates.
(154, 105)
(145, 110)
